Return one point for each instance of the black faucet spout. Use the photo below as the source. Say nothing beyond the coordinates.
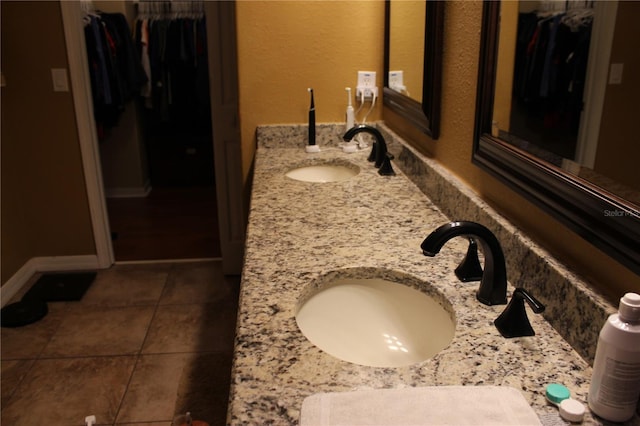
(380, 146)
(493, 286)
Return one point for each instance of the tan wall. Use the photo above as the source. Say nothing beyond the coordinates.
(122, 154)
(618, 150)
(454, 148)
(44, 203)
(126, 7)
(284, 47)
(506, 59)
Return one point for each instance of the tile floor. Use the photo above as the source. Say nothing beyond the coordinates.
(145, 343)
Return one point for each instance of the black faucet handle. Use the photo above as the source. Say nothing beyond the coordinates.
(470, 269)
(385, 167)
(513, 321)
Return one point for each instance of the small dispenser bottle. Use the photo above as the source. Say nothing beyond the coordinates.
(350, 114)
(351, 122)
(615, 385)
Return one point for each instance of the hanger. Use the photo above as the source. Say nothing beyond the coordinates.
(88, 11)
(169, 9)
(578, 17)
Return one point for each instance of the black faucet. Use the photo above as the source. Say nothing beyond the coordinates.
(379, 152)
(493, 286)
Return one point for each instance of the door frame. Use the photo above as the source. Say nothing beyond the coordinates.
(226, 131)
(87, 134)
(604, 24)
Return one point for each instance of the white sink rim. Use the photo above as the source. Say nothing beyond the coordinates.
(396, 339)
(323, 172)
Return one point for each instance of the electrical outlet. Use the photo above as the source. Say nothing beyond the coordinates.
(366, 85)
(396, 80)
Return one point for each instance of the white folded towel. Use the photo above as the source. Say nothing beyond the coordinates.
(435, 405)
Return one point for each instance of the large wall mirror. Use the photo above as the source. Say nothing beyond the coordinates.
(413, 61)
(557, 115)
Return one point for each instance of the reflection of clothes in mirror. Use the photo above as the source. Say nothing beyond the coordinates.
(550, 68)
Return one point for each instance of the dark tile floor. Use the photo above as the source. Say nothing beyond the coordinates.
(145, 343)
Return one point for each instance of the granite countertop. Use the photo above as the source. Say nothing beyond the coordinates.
(300, 233)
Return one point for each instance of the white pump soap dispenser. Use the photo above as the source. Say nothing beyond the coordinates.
(615, 384)
(350, 114)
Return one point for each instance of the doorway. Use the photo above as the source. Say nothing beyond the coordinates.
(229, 177)
(156, 150)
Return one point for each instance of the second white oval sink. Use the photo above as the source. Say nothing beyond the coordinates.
(323, 173)
(375, 322)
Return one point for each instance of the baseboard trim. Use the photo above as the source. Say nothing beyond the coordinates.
(152, 262)
(129, 192)
(45, 264)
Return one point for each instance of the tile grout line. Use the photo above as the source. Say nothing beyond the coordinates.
(38, 356)
(139, 353)
(134, 356)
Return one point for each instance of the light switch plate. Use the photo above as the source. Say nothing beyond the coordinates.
(59, 77)
(615, 74)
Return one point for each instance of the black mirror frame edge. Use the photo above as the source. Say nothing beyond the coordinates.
(426, 115)
(609, 223)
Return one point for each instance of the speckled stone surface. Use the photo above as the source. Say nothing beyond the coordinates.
(572, 307)
(302, 234)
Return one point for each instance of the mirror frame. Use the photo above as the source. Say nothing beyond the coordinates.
(608, 222)
(426, 115)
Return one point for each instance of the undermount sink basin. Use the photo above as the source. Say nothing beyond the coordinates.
(324, 173)
(375, 322)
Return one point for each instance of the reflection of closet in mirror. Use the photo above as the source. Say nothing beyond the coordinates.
(555, 97)
(406, 47)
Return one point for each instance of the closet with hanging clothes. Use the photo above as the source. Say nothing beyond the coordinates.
(149, 75)
(171, 39)
(552, 52)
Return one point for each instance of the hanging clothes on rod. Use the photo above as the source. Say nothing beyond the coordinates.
(114, 67)
(552, 51)
(170, 37)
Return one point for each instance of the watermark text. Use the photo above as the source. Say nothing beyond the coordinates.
(619, 213)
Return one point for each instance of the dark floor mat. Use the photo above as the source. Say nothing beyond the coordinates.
(23, 313)
(61, 287)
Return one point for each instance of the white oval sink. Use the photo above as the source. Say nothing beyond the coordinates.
(324, 173)
(375, 322)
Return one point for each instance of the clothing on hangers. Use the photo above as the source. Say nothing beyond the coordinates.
(550, 67)
(114, 66)
(170, 37)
